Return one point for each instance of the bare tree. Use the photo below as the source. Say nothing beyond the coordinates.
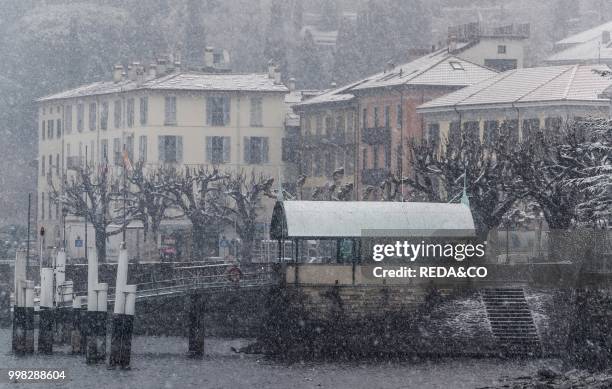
(334, 190)
(88, 194)
(246, 196)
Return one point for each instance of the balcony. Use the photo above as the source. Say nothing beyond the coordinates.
(376, 135)
(373, 176)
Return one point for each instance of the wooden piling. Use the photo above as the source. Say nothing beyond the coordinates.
(196, 325)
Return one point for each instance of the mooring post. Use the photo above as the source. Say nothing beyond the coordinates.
(76, 336)
(64, 315)
(46, 312)
(18, 344)
(196, 325)
(29, 317)
(96, 315)
(123, 326)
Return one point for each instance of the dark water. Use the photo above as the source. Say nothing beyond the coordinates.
(161, 363)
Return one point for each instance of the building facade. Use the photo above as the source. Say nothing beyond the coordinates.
(167, 116)
(518, 103)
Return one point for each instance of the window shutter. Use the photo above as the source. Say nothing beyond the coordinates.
(208, 110)
(179, 149)
(209, 149)
(247, 149)
(160, 149)
(226, 111)
(264, 150)
(226, 149)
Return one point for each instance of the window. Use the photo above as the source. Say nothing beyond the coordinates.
(491, 132)
(130, 112)
(104, 116)
(142, 148)
(511, 131)
(218, 149)
(104, 151)
(50, 128)
(129, 146)
(399, 116)
(170, 149)
(68, 119)
(306, 125)
(256, 112)
(319, 124)
(117, 151)
(255, 150)
(456, 65)
(349, 122)
(329, 125)
(117, 113)
(57, 165)
(50, 205)
(375, 156)
(50, 165)
(471, 132)
(92, 152)
(144, 110)
(340, 126)
(217, 110)
(42, 166)
(529, 129)
(58, 128)
(44, 130)
(364, 158)
(387, 116)
(330, 160)
(42, 206)
(170, 110)
(364, 118)
(376, 117)
(80, 115)
(92, 116)
(501, 49)
(433, 134)
(454, 134)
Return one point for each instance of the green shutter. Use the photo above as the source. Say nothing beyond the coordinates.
(247, 149)
(264, 150)
(179, 149)
(226, 149)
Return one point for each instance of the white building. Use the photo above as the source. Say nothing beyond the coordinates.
(164, 116)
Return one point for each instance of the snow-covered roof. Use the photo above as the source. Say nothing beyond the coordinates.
(591, 51)
(343, 219)
(189, 81)
(570, 84)
(585, 36)
(439, 68)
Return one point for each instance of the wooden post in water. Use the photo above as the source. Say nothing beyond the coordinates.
(46, 312)
(96, 313)
(76, 336)
(196, 325)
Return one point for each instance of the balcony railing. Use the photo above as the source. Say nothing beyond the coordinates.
(376, 135)
(373, 176)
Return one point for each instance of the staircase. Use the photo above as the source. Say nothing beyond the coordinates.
(511, 321)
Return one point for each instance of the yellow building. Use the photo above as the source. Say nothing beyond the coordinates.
(162, 115)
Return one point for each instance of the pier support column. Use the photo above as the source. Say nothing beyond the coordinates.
(96, 326)
(29, 317)
(196, 325)
(123, 326)
(18, 343)
(46, 314)
(76, 336)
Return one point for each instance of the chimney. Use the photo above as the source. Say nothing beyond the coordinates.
(271, 68)
(277, 76)
(390, 66)
(161, 66)
(152, 70)
(208, 57)
(291, 84)
(117, 73)
(605, 37)
(452, 43)
(132, 69)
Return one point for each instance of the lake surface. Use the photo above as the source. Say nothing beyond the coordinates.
(160, 362)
